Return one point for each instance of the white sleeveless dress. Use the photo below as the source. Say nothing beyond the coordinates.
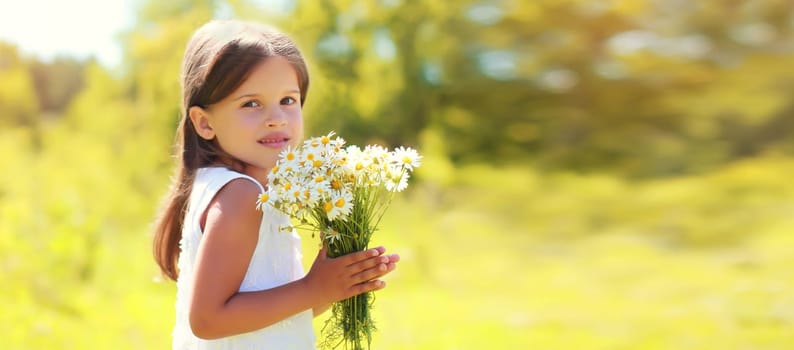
(276, 261)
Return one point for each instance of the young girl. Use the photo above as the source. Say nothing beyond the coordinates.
(240, 282)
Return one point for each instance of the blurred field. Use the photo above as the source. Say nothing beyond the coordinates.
(492, 258)
(512, 259)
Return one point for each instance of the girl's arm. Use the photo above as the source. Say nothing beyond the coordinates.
(231, 230)
(318, 310)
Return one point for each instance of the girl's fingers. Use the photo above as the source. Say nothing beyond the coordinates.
(367, 264)
(393, 258)
(323, 253)
(368, 286)
(374, 272)
(356, 257)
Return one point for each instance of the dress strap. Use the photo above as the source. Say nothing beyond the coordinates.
(208, 182)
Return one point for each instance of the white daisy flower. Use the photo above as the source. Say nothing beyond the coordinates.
(377, 154)
(290, 165)
(315, 143)
(326, 139)
(289, 154)
(274, 173)
(396, 181)
(339, 159)
(292, 192)
(333, 236)
(334, 155)
(264, 199)
(357, 160)
(312, 160)
(338, 184)
(339, 206)
(353, 152)
(407, 157)
(338, 142)
(315, 191)
(324, 172)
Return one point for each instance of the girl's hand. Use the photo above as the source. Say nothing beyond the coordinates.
(334, 279)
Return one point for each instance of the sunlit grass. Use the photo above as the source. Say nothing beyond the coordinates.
(493, 258)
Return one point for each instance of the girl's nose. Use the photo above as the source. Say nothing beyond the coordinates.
(276, 117)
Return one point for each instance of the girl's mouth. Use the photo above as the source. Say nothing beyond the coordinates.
(274, 141)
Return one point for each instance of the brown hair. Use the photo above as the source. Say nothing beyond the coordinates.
(219, 57)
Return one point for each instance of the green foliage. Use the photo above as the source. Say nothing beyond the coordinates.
(17, 94)
(57, 82)
(565, 84)
(31, 87)
(639, 88)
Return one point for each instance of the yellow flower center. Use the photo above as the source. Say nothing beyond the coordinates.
(328, 206)
(359, 166)
(319, 179)
(287, 186)
(317, 163)
(290, 156)
(406, 160)
(310, 156)
(263, 197)
(340, 203)
(336, 185)
(296, 194)
(325, 140)
(275, 169)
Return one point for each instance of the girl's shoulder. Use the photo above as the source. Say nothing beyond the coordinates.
(218, 177)
(228, 196)
(225, 187)
(236, 200)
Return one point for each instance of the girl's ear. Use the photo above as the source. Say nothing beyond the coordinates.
(201, 122)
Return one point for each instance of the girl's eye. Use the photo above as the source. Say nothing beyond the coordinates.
(288, 101)
(251, 104)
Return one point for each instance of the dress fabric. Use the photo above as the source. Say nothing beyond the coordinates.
(276, 261)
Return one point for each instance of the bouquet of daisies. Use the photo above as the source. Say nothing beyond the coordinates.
(342, 192)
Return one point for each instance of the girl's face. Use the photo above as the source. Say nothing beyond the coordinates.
(259, 119)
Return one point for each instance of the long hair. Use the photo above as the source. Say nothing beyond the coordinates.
(218, 58)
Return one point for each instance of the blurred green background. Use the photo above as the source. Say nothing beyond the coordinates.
(598, 174)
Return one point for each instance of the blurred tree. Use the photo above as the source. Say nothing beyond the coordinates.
(640, 87)
(57, 82)
(153, 51)
(567, 84)
(18, 101)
